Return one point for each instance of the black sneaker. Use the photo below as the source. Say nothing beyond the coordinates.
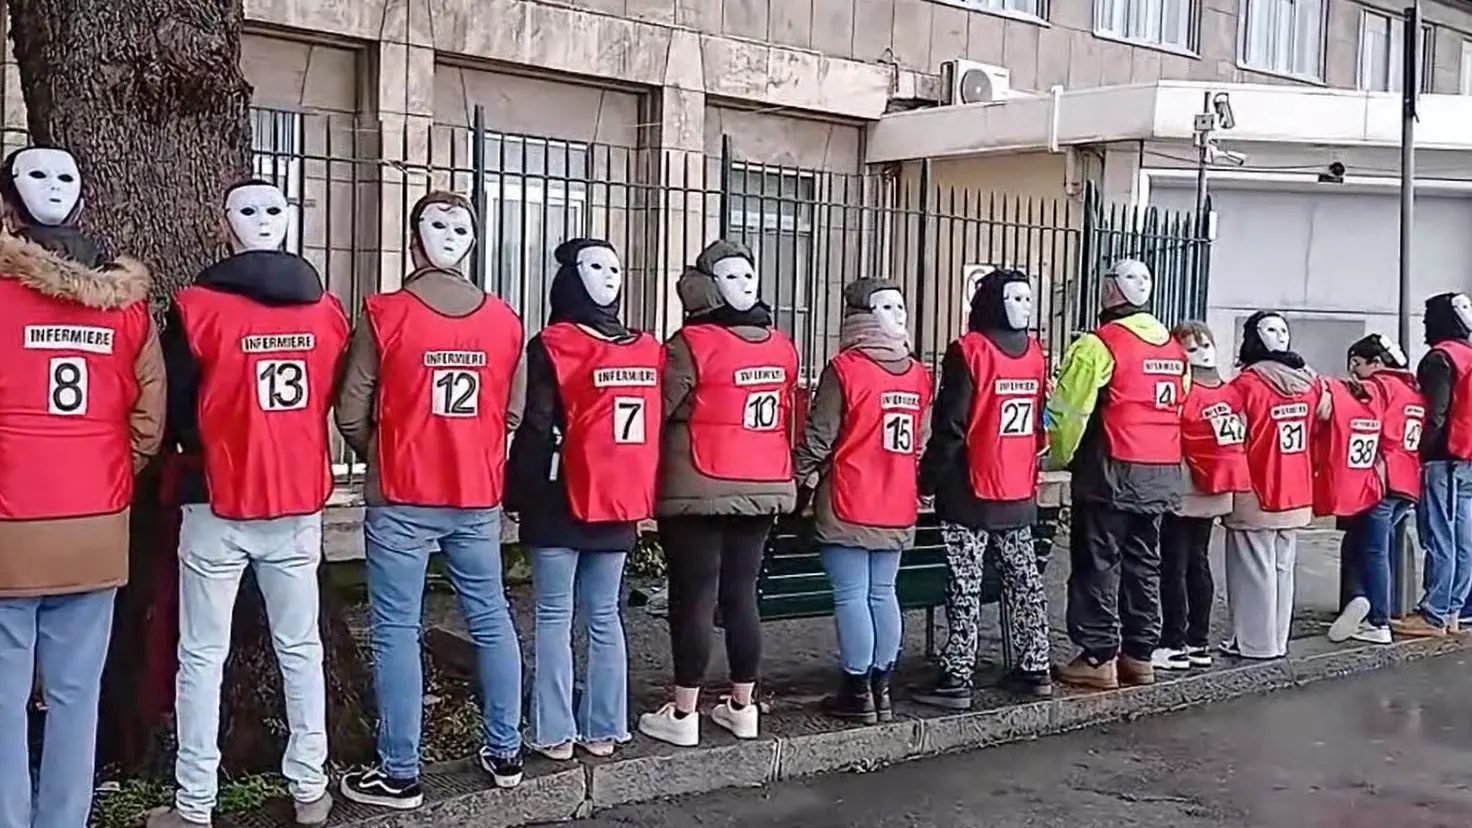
(371, 787)
(1031, 685)
(505, 771)
(949, 693)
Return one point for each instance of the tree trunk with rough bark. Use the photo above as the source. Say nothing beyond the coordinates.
(149, 96)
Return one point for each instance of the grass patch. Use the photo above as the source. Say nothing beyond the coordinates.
(126, 804)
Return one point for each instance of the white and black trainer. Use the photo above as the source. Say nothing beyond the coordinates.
(505, 771)
(372, 787)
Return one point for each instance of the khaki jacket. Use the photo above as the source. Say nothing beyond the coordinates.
(61, 557)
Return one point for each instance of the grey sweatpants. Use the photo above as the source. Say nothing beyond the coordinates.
(1260, 589)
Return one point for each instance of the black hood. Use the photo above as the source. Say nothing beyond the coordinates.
(1442, 321)
(1253, 350)
(69, 242)
(988, 314)
(271, 277)
(569, 299)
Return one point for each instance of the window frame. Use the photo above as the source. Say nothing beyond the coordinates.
(1245, 28)
(1192, 14)
(1464, 73)
(1039, 16)
(1428, 52)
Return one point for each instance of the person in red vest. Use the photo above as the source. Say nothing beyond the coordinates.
(725, 474)
(981, 464)
(432, 387)
(1212, 438)
(1282, 403)
(1379, 363)
(581, 476)
(862, 443)
(253, 348)
(1116, 424)
(1445, 514)
(81, 410)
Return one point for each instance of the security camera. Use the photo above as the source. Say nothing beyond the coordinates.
(1222, 103)
(1217, 155)
(1335, 175)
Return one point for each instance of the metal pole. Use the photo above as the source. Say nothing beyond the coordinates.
(1203, 137)
(1411, 83)
(478, 196)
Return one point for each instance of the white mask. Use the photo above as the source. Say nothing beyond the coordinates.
(1463, 306)
(1017, 304)
(258, 216)
(888, 307)
(49, 184)
(602, 277)
(1131, 282)
(1392, 349)
(1200, 353)
(737, 282)
(1273, 331)
(446, 234)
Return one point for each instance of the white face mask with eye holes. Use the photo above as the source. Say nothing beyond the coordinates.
(258, 215)
(48, 183)
(1017, 304)
(1463, 307)
(736, 280)
(888, 307)
(446, 234)
(1273, 331)
(602, 276)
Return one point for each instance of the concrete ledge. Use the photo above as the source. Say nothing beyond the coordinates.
(566, 792)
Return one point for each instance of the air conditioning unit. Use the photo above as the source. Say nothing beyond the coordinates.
(967, 81)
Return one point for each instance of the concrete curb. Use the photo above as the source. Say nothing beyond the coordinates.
(581, 791)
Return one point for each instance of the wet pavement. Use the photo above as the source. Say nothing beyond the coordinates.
(1389, 749)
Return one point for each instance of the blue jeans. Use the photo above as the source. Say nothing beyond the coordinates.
(1446, 533)
(399, 541)
(564, 578)
(1369, 539)
(865, 606)
(67, 635)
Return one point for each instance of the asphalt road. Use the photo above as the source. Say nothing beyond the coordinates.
(1391, 749)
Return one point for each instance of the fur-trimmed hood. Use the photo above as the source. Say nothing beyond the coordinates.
(115, 285)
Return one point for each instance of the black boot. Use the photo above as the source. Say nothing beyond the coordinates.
(1029, 685)
(853, 702)
(948, 692)
(879, 689)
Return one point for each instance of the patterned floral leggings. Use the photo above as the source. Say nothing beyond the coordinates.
(1025, 644)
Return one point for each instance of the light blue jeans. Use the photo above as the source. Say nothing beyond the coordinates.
(399, 540)
(1445, 515)
(284, 554)
(67, 636)
(589, 581)
(865, 606)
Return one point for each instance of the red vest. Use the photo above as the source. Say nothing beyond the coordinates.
(1004, 434)
(1345, 451)
(67, 391)
(875, 460)
(1404, 412)
(612, 411)
(741, 408)
(1459, 418)
(266, 380)
(1213, 439)
(443, 387)
(1279, 430)
(1142, 402)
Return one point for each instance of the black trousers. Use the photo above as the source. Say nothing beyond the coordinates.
(1114, 583)
(714, 560)
(1186, 587)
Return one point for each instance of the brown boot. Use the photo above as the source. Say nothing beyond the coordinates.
(1416, 626)
(1081, 673)
(1135, 672)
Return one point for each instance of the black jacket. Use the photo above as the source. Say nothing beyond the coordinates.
(1437, 377)
(270, 278)
(532, 489)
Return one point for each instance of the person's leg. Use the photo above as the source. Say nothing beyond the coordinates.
(1461, 537)
(17, 674)
(848, 571)
(285, 563)
(743, 545)
(965, 557)
(692, 566)
(1200, 590)
(603, 716)
(1374, 537)
(1252, 592)
(1175, 553)
(1094, 581)
(1139, 590)
(889, 627)
(552, 728)
(1285, 558)
(72, 634)
(472, 548)
(1439, 539)
(1025, 610)
(211, 561)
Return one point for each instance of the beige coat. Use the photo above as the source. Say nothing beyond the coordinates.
(60, 557)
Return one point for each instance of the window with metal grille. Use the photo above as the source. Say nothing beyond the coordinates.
(772, 213)
(277, 151)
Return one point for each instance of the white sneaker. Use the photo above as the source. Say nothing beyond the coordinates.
(664, 726)
(557, 753)
(1349, 621)
(600, 749)
(1372, 635)
(1167, 659)
(1199, 656)
(742, 723)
